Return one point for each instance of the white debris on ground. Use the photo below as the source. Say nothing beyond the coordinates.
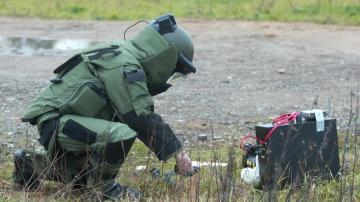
(208, 164)
(139, 169)
(142, 168)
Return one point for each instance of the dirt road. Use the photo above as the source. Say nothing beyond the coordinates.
(247, 71)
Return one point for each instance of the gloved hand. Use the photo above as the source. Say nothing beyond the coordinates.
(183, 164)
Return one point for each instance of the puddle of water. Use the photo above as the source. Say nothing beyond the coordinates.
(37, 46)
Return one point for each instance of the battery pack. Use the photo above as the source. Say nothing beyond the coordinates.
(296, 151)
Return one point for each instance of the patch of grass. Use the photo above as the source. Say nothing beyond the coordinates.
(207, 185)
(321, 11)
(352, 10)
(76, 10)
(211, 184)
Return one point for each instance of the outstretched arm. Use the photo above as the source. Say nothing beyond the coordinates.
(154, 133)
(133, 102)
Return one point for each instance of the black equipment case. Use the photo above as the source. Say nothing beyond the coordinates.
(296, 151)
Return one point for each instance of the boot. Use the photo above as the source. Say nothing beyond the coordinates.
(24, 174)
(116, 191)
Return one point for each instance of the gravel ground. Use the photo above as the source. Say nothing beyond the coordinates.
(247, 72)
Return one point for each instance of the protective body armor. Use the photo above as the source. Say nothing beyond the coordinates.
(111, 82)
(107, 81)
(123, 78)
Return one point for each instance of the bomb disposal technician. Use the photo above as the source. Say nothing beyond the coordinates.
(99, 102)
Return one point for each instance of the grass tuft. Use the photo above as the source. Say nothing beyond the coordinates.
(320, 11)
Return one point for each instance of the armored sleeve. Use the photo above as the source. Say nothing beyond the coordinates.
(130, 97)
(155, 134)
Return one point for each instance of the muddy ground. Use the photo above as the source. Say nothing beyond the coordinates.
(247, 72)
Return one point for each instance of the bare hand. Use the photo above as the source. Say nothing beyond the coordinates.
(183, 162)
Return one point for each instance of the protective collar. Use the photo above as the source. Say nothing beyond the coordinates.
(157, 57)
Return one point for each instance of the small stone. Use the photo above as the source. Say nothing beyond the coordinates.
(9, 145)
(203, 137)
(139, 169)
(281, 71)
(10, 99)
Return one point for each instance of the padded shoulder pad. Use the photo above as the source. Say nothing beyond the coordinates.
(69, 64)
(134, 75)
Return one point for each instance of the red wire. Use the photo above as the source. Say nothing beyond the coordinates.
(279, 121)
(249, 135)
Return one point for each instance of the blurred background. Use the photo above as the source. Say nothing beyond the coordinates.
(256, 59)
(321, 11)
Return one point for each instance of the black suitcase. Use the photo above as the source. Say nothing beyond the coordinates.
(297, 151)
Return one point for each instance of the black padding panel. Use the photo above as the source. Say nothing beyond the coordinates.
(78, 132)
(134, 75)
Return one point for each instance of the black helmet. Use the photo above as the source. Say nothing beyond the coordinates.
(173, 33)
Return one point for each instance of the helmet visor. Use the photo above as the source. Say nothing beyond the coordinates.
(184, 65)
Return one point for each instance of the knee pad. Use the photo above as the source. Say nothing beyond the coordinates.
(79, 132)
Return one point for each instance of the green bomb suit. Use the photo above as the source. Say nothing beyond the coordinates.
(99, 102)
